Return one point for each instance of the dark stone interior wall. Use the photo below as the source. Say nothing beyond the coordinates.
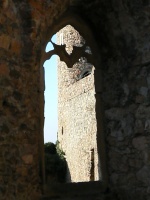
(122, 31)
(23, 27)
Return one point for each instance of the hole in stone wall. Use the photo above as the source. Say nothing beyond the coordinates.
(92, 176)
(86, 74)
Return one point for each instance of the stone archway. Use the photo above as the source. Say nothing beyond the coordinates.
(82, 27)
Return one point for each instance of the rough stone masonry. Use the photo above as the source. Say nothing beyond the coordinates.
(77, 131)
(120, 30)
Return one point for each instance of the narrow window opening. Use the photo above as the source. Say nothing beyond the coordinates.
(55, 164)
(92, 176)
(86, 74)
(51, 96)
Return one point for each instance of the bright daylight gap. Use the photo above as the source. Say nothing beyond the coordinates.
(51, 97)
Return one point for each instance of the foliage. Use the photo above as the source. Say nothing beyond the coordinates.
(50, 148)
(59, 150)
(55, 162)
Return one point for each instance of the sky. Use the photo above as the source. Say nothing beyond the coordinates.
(51, 96)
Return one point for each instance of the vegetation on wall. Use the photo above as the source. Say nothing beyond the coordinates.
(55, 162)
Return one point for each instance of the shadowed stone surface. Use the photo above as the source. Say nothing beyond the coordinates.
(121, 31)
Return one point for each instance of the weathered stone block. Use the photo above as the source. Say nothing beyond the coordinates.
(143, 175)
(135, 163)
(15, 46)
(143, 112)
(4, 69)
(139, 99)
(139, 126)
(143, 91)
(146, 154)
(28, 159)
(5, 41)
(140, 143)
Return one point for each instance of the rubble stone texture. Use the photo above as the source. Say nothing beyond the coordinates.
(122, 79)
(77, 131)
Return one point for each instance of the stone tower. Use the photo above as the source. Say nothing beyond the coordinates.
(76, 111)
(118, 35)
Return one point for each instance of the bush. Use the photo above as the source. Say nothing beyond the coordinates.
(55, 162)
(50, 148)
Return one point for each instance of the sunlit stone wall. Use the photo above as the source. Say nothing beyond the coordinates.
(76, 109)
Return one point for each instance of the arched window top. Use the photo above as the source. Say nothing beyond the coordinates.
(90, 45)
(72, 39)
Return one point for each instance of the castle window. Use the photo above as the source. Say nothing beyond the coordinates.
(92, 176)
(76, 104)
(86, 74)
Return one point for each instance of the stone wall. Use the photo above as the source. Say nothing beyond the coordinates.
(128, 130)
(21, 26)
(121, 31)
(125, 68)
(76, 109)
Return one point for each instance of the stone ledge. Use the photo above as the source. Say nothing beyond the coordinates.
(74, 189)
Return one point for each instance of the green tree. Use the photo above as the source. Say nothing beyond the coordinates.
(55, 162)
